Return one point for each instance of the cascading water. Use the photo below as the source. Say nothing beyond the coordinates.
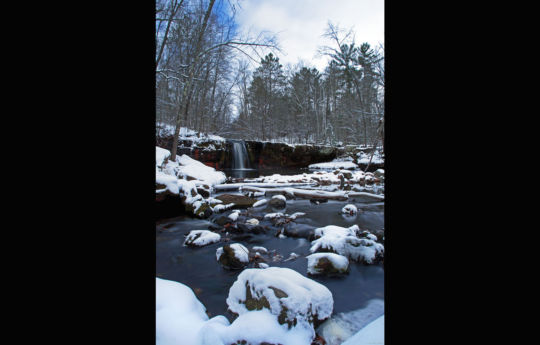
(240, 156)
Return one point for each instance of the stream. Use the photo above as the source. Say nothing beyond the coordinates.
(199, 269)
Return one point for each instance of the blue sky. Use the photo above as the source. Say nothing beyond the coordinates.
(300, 24)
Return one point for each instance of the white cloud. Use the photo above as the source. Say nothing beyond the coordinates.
(300, 24)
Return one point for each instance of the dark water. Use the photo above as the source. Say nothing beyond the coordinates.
(198, 268)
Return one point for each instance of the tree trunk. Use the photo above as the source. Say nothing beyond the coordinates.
(187, 87)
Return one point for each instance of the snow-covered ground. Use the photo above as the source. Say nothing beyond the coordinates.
(183, 176)
(334, 165)
(181, 318)
(319, 177)
(188, 134)
(372, 334)
(363, 158)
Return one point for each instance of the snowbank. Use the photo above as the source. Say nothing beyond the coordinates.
(188, 134)
(363, 158)
(193, 168)
(343, 326)
(181, 320)
(255, 327)
(371, 334)
(179, 314)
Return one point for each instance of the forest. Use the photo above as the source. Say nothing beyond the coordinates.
(212, 78)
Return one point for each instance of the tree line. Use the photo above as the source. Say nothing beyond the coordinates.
(204, 81)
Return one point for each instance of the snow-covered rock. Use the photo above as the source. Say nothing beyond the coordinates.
(274, 215)
(181, 319)
(252, 221)
(349, 209)
(327, 263)
(233, 256)
(199, 238)
(281, 197)
(234, 215)
(278, 201)
(292, 298)
(260, 203)
(349, 242)
(221, 207)
(260, 249)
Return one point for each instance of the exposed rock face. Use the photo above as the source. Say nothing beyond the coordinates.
(271, 155)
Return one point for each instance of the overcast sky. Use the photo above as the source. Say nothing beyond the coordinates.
(300, 24)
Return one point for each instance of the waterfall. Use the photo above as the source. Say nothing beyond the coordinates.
(240, 156)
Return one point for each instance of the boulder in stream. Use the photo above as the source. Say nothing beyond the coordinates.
(199, 238)
(233, 256)
(327, 263)
(292, 298)
(357, 245)
(278, 201)
(239, 200)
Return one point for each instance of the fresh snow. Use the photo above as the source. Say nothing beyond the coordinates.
(343, 326)
(260, 249)
(161, 155)
(274, 215)
(179, 315)
(338, 261)
(204, 238)
(333, 165)
(181, 320)
(260, 203)
(255, 327)
(280, 197)
(304, 296)
(252, 221)
(220, 207)
(349, 209)
(191, 167)
(373, 333)
(344, 241)
(240, 252)
(234, 215)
